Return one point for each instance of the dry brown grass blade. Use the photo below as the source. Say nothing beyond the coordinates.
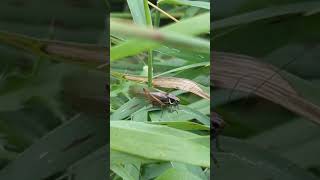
(59, 50)
(81, 52)
(228, 69)
(172, 82)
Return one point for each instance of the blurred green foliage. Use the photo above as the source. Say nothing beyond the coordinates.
(47, 130)
(276, 32)
(147, 142)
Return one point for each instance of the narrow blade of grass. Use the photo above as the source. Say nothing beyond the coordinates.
(137, 11)
(200, 4)
(266, 13)
(184, 68)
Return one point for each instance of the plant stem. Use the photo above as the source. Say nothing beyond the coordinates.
(157, 18)
(150, 53)
(150, 68)
(147, 13)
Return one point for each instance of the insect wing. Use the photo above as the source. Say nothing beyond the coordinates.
(152, 98)
(161, 96)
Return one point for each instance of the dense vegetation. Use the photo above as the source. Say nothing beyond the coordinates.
(52, 118)
(169, 51)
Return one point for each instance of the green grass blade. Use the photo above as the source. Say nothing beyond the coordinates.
(183, 125)
(266, 13)
(199, 4)
(184, 68)
(174, 173)
(137, 11)
(127, 109)
(122, 172)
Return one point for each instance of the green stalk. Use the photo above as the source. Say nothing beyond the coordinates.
(147, 13)
(150, 53)
(157, 17)
(150, 68)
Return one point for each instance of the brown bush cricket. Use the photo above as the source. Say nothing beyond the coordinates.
(162, 100)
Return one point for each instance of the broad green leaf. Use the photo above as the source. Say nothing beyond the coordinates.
(154, 170)
(203, 140)
(117, 157)
(177, 174)
(199, 23)
(195, 170)
(151, 142)
(142, 126)
(152, 39)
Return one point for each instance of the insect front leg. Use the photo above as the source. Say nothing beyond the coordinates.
(162, 109)
(174, 108)
(170, 108)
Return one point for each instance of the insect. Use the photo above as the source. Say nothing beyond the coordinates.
(162, 100)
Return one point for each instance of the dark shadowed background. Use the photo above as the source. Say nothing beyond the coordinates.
(52, 95)
(272, 115)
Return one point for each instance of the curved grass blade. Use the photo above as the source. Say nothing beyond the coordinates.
(69, 52)
(128, 108)
(283, 88)
(187, 126)
(169, 82)
(137, 11)
(190, 66)
(199, 4)
(294, 8)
